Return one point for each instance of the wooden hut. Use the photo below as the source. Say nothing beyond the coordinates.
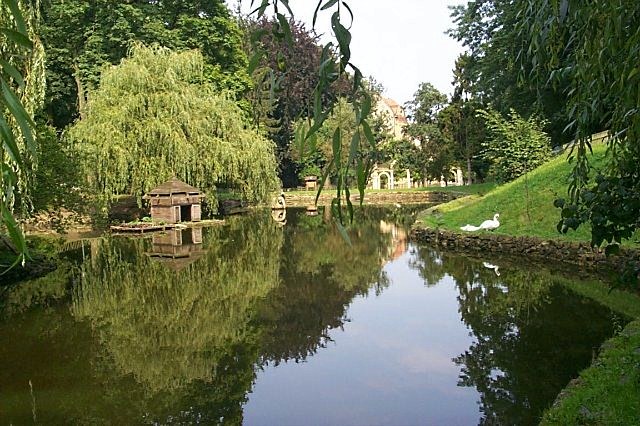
(175, 201)
(310, 182)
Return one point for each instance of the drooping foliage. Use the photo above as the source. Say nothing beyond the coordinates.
(82, 36)
(22, 82)
(492, 69)
(596, 47)
(321, 150)
(335, 63)
(288, 72)
(155, 116)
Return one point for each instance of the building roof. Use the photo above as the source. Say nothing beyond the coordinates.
(173, 186)
(391, 102)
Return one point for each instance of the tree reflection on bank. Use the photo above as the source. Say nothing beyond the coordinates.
(531, 333)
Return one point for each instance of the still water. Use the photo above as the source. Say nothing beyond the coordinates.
(279, 321)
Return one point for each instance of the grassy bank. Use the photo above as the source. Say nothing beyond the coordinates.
(525, 205)
(608, 392)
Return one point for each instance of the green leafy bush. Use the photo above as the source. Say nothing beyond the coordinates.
(515, 145)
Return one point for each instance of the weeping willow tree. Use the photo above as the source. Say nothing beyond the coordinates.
(155, 116)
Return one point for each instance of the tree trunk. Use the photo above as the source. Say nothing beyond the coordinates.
(82, 100)
(469, 178)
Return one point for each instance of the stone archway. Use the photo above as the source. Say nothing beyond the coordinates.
(382, 178)
(385, 180)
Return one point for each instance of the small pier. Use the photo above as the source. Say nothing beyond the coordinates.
(141, 228)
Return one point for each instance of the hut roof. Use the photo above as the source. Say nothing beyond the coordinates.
(173, 186)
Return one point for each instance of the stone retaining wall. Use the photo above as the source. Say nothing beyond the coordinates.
(535, 248)
(386, 197)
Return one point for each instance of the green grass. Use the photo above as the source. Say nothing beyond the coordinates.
(525, 205)
(476, 188)
(608, 392)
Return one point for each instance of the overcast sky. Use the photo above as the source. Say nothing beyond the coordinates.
(401, 43)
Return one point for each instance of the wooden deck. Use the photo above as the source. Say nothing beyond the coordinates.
(141, 228)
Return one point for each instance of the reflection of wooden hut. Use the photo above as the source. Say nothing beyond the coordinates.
(175, 201)
(177, 248)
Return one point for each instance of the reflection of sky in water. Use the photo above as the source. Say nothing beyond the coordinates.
(391, 364)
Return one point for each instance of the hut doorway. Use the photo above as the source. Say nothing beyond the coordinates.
(185, 214)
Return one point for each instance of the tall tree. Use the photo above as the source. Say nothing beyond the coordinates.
(491, 70)
(426, 103)
(292, 75)
(459, 120)
(594, 46)
(82, 36)
(466, 130)
(433, 153)
(156, 115)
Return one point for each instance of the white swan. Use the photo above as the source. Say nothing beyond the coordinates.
(491, 266)
(489, 225)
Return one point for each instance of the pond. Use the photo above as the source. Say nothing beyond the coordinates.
(282, 321)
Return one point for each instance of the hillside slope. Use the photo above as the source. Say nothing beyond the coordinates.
(525, 204)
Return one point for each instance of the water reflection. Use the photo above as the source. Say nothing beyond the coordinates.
(170, 330)
(320, 277)
(181, 327)
(530, 334)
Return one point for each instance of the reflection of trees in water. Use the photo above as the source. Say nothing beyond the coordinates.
(321, 275)
(43, 291)
(183, 346)
(531, 336)
(170, 329)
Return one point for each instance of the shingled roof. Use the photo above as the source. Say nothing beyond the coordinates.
(173, 186)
